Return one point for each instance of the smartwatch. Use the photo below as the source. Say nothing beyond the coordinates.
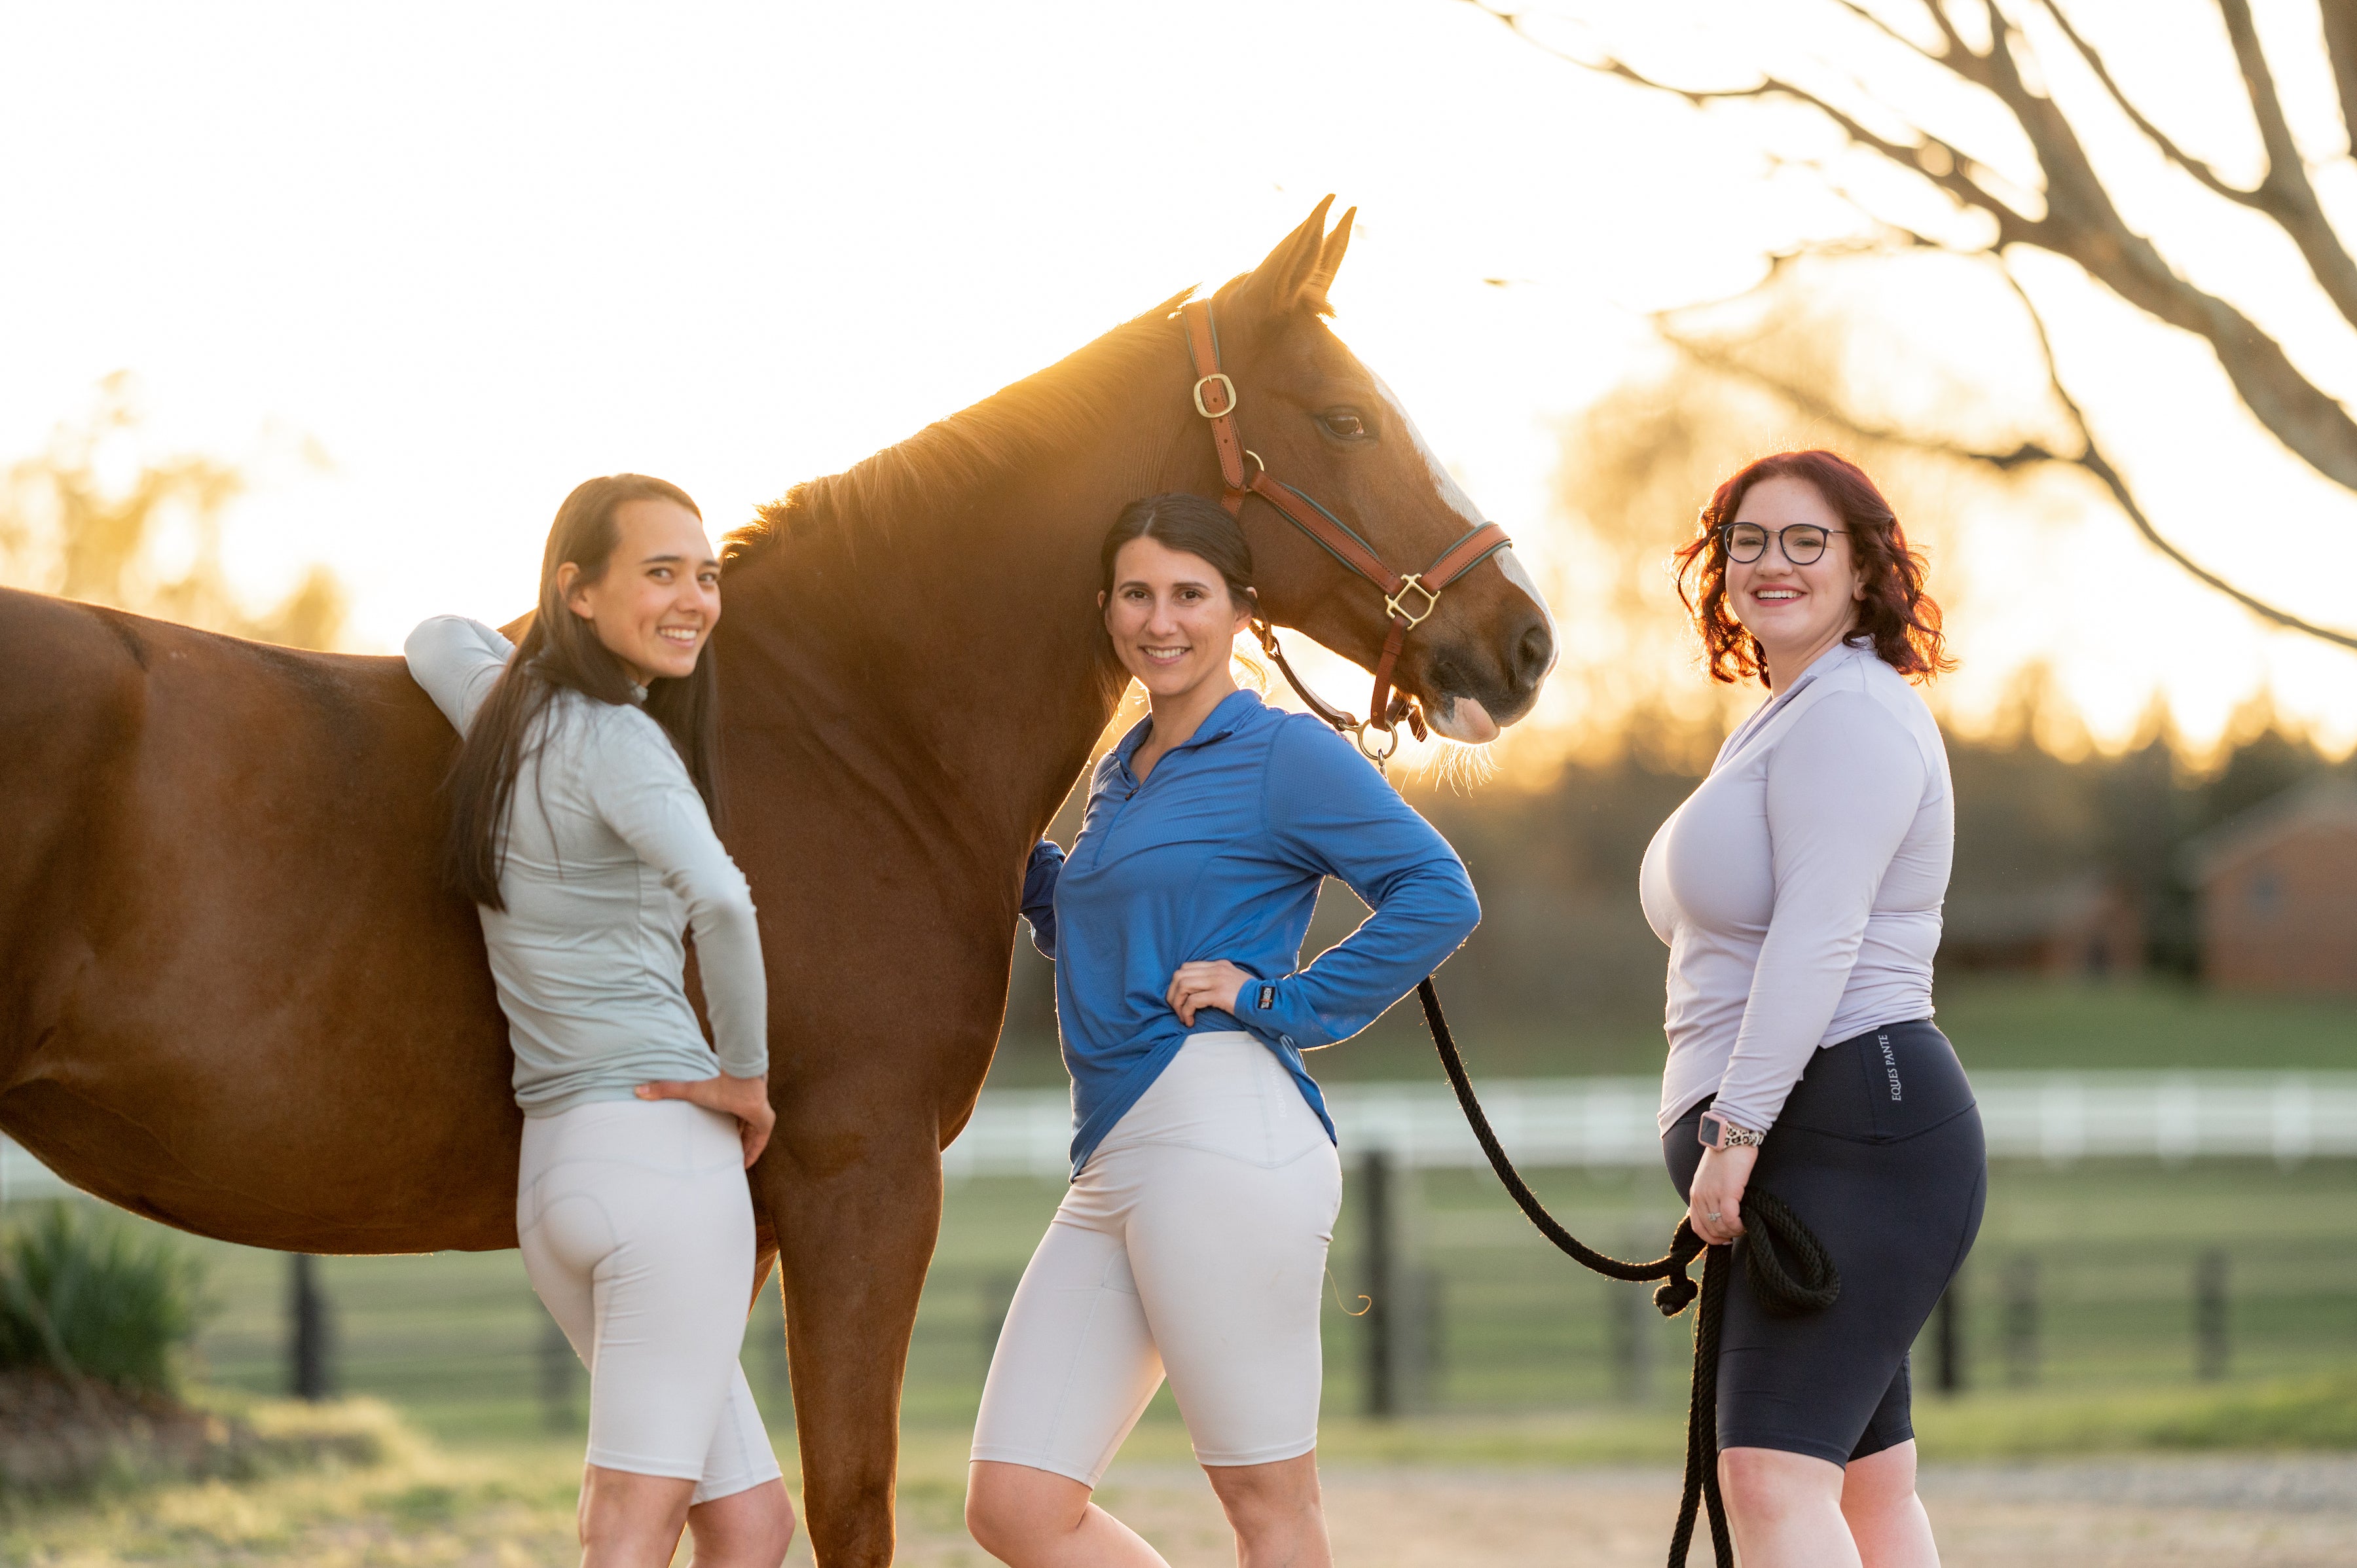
(1717, 1131)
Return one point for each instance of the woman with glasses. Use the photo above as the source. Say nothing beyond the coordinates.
(1799, 890)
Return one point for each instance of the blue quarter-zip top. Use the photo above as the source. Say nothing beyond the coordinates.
(1219, 855)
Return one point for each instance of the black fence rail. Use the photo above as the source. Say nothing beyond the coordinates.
(1441, 1299)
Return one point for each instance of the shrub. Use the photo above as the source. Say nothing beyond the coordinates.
(85, 1295)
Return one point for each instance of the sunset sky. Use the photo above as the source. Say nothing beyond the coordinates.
(473, 254)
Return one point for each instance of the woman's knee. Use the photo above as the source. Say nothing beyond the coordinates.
(1256, 1497)
(751, 1529)
(1766, 1484)
(623, 1514)
(1880, 1482)
(1011, 1506)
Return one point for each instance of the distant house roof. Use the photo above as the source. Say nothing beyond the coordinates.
(2321, 802)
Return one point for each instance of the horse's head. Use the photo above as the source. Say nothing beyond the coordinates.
(1325, 425)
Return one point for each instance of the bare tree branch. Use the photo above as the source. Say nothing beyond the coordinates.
(1928, 157)
(2200, 171)
(2339, 18)
(2082, 224)
(2285, 194)
(1888, 31)
(2089, 458)
(1940, 19)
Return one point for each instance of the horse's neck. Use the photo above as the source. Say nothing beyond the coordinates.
(962, 641)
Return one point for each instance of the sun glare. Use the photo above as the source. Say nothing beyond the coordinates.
(743, 245)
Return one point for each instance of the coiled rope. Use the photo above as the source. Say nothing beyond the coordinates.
(1788, 1270)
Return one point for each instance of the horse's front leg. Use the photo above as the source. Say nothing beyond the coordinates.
(857, 1208)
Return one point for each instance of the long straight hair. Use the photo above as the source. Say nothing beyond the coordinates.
(561, 651)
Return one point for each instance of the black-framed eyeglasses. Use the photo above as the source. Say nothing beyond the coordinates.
(1803, 543)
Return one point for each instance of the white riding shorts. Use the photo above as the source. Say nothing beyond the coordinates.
(1194, 1242)
(637, 1229)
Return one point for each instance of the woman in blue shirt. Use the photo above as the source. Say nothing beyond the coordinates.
(1205, 1181)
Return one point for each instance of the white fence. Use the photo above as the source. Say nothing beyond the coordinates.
(2057, 1117)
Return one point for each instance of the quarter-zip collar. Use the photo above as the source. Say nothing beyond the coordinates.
(1823, 664)
(1233, 711)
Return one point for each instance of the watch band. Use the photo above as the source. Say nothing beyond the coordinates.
(1729, 1134)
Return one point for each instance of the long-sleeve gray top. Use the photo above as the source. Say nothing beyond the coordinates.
(609, 857)
(1798, 886)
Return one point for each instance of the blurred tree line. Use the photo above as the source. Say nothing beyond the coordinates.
(1563, 945)
(91, 517)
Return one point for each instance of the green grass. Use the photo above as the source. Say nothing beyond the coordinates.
(1996, 1022)
(509, 1501)
(1525, 1336)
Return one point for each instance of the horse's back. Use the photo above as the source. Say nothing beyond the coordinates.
(225, 958)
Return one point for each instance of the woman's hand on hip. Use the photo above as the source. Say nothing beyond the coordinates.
(745, 1099)
(1213, 984)
(1715, 1207)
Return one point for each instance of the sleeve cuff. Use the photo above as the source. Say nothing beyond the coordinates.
(1756, 1121)
(1262, 1004)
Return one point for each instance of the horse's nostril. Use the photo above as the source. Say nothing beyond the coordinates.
(1532, 656)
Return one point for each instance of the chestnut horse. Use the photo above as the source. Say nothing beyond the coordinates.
(235, 998)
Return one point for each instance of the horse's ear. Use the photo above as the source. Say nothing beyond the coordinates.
(1312, 293)
(1295, 274)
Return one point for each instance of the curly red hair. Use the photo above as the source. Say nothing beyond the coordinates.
(1902, 619)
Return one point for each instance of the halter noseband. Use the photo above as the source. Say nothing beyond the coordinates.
(1408, 596)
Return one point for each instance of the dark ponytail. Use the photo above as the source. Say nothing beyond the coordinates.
(562, 650)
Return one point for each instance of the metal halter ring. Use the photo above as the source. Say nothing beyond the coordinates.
(1226, 385)
(1369, 753)
(1256, 463)
(1431, 599)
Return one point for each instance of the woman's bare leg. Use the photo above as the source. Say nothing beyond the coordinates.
(1037, 1519)
(1277, 1511)
(630, 1520)
(1785, 1509)
(1885, 1518)
(751, 1529)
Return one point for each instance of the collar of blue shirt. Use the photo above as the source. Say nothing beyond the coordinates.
(1234, 712)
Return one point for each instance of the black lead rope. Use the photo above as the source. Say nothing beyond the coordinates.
(1788, 1267)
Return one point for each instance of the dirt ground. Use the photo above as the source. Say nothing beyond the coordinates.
(512, 1508)
(2250, 1513)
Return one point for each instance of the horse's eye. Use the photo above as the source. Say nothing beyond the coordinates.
(1348, 426)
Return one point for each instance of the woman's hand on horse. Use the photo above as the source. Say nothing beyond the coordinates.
(1214, 984)
(1717, 1189)
(745, 1099)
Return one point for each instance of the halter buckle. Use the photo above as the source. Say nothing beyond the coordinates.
(1431, 600)
(1226, 386)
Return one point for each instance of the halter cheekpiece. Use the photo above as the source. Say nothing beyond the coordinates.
(1409, 597)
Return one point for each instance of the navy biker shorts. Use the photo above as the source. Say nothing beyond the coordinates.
(1878, 1152)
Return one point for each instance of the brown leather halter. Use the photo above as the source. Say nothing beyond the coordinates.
(1408, 596)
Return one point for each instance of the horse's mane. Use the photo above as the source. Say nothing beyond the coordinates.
(1046, 412)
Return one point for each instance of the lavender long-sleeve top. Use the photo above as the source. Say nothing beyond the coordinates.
(607, 859)
(1798, 886)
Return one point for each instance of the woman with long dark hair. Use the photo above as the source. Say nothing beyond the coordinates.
(1799, 889)
(1192, 1240)
(582, 806)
